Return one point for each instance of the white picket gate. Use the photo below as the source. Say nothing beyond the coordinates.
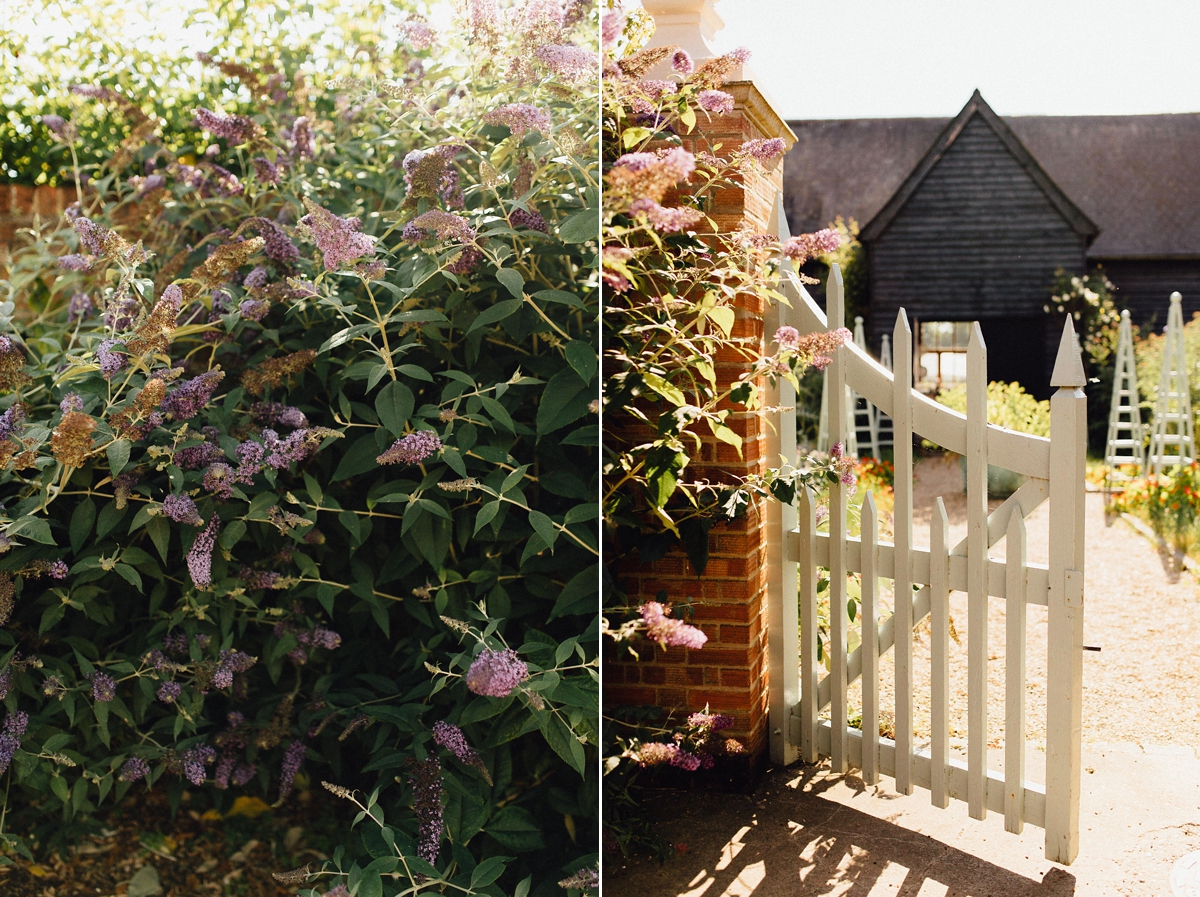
(1055, 468)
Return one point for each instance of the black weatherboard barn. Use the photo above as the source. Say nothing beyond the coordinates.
(968, 220)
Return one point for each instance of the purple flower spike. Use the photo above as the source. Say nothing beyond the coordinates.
(199, 558)
(134, 769)
(338, 238)
(293, 756)
(169, 691)
(104, 687)
(412, 449)
(181, 509)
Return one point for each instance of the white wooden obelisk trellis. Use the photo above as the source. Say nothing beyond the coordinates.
(1126, 446)
(1172, 442)
(883, 423)
(849, 439)
(866, 415)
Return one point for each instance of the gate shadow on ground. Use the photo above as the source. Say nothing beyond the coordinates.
(789, 839)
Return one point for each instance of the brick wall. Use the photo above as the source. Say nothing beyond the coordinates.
(729, 674)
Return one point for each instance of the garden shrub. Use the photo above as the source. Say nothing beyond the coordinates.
(672, 278)
(1008, 406)
(301, 465)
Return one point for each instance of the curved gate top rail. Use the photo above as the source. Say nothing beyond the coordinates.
(796, 550)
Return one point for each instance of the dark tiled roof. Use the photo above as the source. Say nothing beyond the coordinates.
(1136, 176)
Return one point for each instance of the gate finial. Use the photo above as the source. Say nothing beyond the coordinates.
(1068, 365)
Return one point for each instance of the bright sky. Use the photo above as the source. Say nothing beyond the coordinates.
(895, 58)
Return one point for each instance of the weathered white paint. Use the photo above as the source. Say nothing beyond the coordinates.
(1056, 469)
(1126, 438)
(1172, 441)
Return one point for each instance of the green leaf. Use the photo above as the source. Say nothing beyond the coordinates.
(723, 317)
(81, 523)
(59, 786)
(394, 405)
(580, 596)
(488, 871)
(513, 281)
(130, 575)
(495, 313)
(110, 516)
(544, 527)
(582, 357)
(633, 136)
(564, 743)
(565, 399)
(160, 534)
(31, 527)
(668, 391)
(232, 534)
(485, 515)
(580, 227)
(516, 829)
(118, 455)
(359, 459)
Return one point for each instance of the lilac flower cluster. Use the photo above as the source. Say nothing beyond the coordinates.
(443, 225)
(520, 118)
(187, 399)
(271, 414)
(304, 145)
(468, 260)
(59, 127)
(412, 449)
(79, 308)
(668, 631)
(814, 348)
(5, 684)
(713, 721)
(664, 219)
(58, 570)
(293, 756)
(110, 362)
(74, 261)
(104, 687)
(194, 761)
(258, 579)
(256, 278)
(764, 150)
(254, 309)
(267, 171)
(94, 238)
(715, 101)
(583, 880)
(219, 479)
(338, 238)
(71, 402)
(805, 246)
(425, 778)
(567, 61)
(277, 245)
(231, 662)
(10, 737)
(654, 753)
(530, 220)
(319, 637)
(844, 466)
(199, 557)
(169, 691)
(452, 739)
(10, 420)
(682, 63)
(134, 770)
(417, 34)
(181, 509)
(237, 128)
(496, 674)
(196, 456)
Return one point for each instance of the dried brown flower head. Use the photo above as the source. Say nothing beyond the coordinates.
(274, 371)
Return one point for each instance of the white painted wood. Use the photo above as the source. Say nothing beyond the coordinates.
(1064, 673)
(866, 415)
(1172, 441)
(782, 608)
(884, 422)
(901, 408)
(806, 556)
(849, 431)
(870, 640)
(838, 406)
(977, 568)
(1035, 794)
(1014, 678)
(939, 607)
(1126, 437)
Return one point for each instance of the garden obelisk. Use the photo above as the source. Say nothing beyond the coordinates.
(1172, 442)
(1126, 444)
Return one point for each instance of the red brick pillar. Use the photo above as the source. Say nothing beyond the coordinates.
(729, 674)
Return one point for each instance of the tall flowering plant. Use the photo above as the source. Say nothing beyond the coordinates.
(672, 280)
(298, 465)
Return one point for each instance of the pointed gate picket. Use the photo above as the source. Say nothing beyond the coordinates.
(1055, 468)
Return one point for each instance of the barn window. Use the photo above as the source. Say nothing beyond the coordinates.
(942, 354)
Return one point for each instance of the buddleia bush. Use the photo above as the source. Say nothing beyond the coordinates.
(299, 466)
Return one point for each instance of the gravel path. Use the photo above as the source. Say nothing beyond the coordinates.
(1141, 687)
